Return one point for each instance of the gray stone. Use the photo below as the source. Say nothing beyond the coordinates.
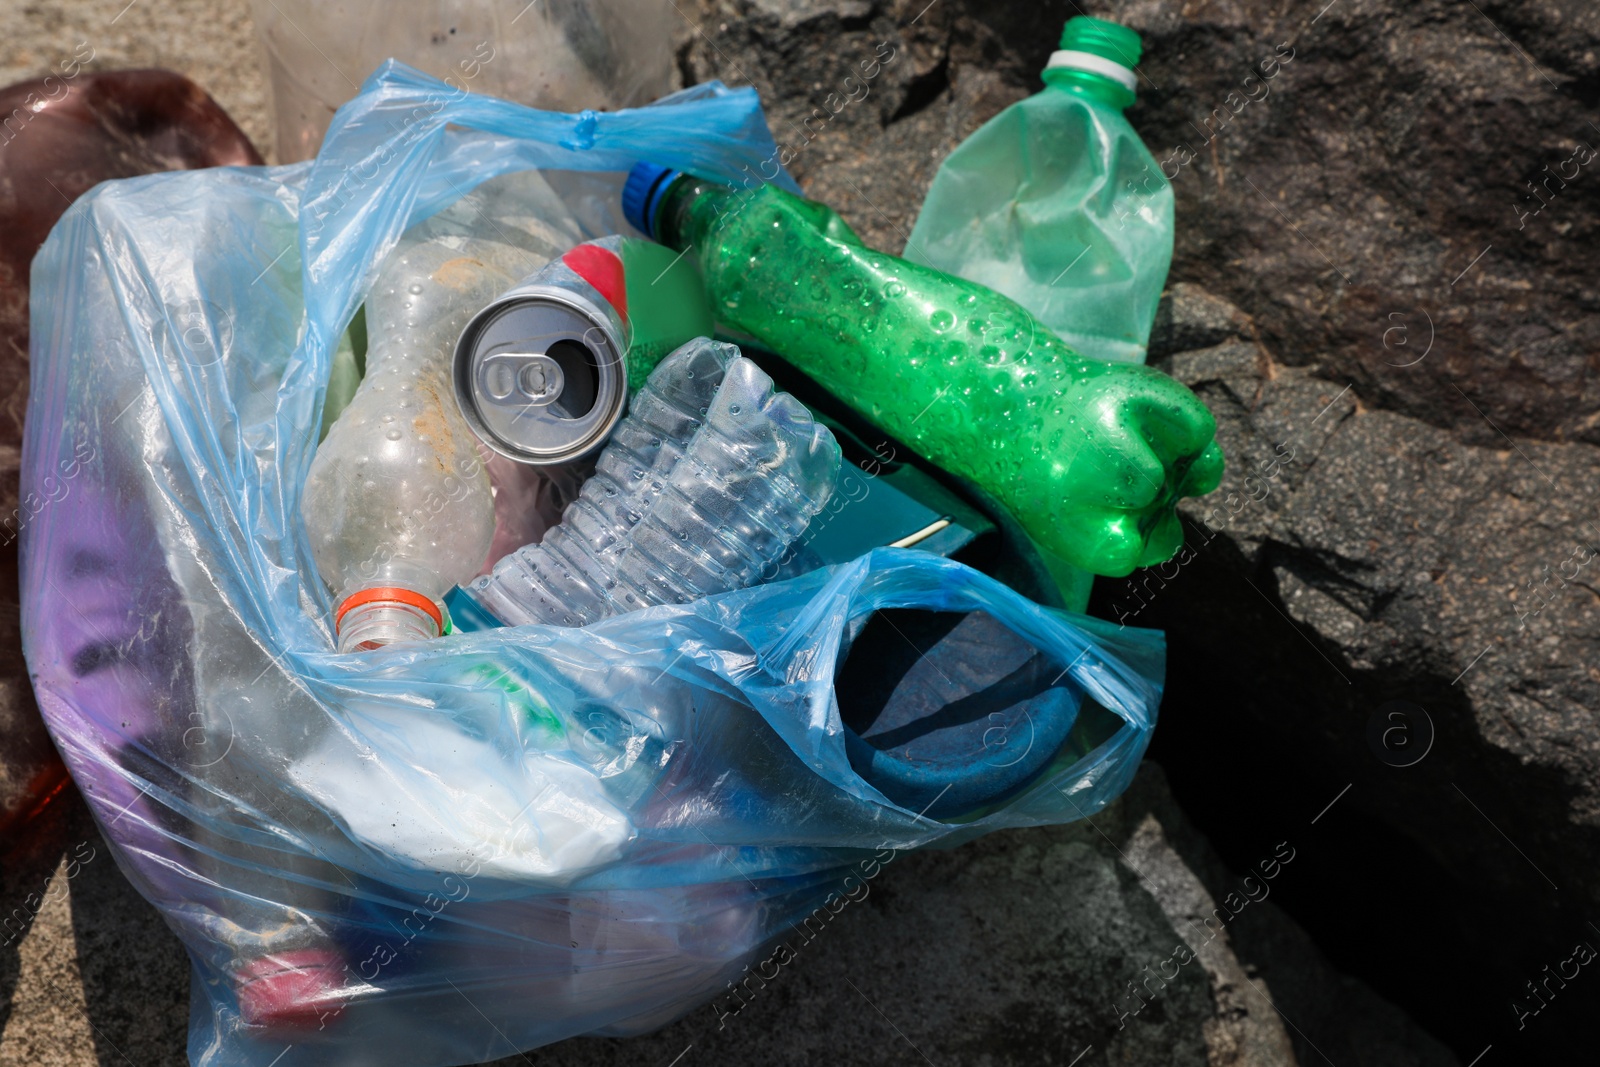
(1353, 557)
(1364, 179)
(1190, 319)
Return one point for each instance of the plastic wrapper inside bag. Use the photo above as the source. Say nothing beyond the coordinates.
(441, 852)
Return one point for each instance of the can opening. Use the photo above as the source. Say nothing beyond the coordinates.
(581, 371)
(540, 377)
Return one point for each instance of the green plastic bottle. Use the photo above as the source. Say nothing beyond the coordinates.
(1056, 203)
(1089, 457)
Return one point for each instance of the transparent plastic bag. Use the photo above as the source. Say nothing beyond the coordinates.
(415, 855)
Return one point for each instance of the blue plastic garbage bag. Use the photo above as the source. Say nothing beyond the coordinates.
(438, 853)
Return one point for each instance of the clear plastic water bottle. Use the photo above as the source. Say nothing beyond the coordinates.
(645, 447)
(706, 483)
(398, 504)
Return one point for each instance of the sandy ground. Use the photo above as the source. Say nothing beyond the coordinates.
(97, 978)
(211, 41)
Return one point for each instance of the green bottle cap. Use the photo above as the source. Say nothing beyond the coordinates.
(1094, 51)
(1101, 38)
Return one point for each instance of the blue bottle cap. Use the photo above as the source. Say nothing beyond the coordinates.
(642, 192)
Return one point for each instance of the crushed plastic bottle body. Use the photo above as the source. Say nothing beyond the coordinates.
(1058, 204)
(398, 504)
(704, 486)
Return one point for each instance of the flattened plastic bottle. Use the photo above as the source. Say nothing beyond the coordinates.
(703, 487)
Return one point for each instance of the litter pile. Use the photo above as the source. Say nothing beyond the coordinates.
(491, 532)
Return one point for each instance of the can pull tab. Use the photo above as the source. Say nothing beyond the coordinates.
(540, 373)
(530, 378)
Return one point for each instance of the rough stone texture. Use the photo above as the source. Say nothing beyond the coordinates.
(1392, 145)
(1252, 950)
(1354, 557)
(1353, 233)
(1022, 948)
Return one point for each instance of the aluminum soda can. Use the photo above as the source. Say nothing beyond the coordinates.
(540, 373)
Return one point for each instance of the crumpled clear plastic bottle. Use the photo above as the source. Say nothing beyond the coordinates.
(703, 487)
(398, 504)
(1058, 204)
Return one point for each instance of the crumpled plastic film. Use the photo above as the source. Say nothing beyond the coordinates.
(419, 854)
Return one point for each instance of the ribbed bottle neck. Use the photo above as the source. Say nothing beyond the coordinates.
(689, 205)
(1088, 83)
(394, 616)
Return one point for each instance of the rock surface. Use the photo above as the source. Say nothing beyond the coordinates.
(1383, 168)
(1347, 615)
(1364, 274)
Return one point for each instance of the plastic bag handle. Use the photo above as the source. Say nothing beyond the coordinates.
(389, 137)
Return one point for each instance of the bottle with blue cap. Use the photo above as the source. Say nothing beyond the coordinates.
(1086, 457)
(1058, 204)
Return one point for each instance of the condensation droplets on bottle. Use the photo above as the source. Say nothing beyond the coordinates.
(398, 505)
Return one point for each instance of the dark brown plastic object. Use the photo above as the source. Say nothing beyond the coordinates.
(59, 137)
